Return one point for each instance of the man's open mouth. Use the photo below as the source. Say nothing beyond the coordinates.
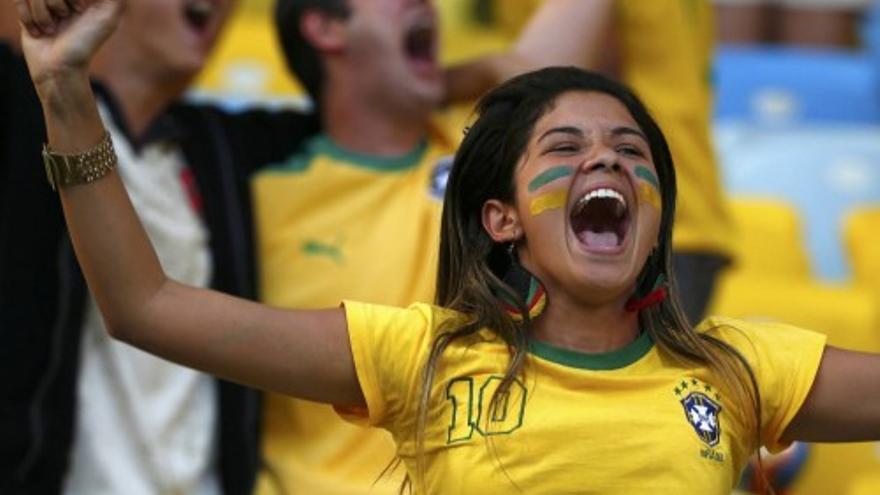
(420, 42)
(600, 219)
(198, 13)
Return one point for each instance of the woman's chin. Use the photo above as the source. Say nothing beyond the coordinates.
(599, 290)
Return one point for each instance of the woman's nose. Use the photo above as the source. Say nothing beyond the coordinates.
(604, 158)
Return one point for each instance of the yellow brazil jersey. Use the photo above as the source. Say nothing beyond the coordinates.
(629, 421)
(332, 224)
(666, 49)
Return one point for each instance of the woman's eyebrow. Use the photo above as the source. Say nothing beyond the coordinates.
(577, 132)
(570, 130)
(624, 131)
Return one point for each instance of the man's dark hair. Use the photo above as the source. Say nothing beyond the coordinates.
(302, 58)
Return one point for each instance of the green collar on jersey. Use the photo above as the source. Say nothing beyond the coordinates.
(322, 144)
(613, 360)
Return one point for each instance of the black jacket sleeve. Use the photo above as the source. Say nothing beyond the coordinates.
(41, 295)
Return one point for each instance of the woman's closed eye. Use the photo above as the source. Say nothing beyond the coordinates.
(630, 150)
(564, 148)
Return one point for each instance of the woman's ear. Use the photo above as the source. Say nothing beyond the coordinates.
(501, 221)
(326, 33)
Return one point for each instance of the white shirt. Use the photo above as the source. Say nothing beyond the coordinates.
(145, 425)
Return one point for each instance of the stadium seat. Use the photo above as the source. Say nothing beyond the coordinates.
(771, 241)
(790, 85)
(868, 484)
(862, 240)
(848, 315)
(848, 469)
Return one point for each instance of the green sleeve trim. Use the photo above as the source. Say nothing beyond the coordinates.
(613, 360)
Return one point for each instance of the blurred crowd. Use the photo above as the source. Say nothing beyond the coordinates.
(303, 161)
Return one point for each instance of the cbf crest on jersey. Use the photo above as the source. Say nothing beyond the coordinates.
(701, 408)
(440, 176)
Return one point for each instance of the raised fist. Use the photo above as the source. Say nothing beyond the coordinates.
(61, 36)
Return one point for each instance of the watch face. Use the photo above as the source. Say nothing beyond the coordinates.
(50, 166)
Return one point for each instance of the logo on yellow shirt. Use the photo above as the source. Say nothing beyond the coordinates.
(702, 409)
(440, 176)
(313, 247)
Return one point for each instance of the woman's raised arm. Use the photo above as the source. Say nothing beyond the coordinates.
(301, 353)
(559, 32)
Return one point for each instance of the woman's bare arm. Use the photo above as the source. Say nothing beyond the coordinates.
(301, 353)
(8, 24)
(844, 402)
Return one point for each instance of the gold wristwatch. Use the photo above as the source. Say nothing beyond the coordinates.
(79, 168)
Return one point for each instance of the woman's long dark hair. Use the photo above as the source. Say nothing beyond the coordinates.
(471, 264)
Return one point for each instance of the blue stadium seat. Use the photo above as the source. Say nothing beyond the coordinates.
(791, 85)
(823, 170)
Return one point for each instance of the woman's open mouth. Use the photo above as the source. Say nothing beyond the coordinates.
(600, 220)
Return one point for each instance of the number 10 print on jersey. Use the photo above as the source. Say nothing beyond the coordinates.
(470, 399)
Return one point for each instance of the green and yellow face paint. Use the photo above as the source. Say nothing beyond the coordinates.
(648, 187)
(550, 200)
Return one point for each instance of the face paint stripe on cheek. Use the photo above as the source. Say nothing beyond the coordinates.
(549, 176)
(648, 194)
(549, 201)
(645, 174)
(649, 188)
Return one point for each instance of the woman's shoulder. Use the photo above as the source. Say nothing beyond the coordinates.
(417, 317)
(414, 310)
(760, 336)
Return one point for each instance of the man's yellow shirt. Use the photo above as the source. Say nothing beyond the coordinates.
(332, 224)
